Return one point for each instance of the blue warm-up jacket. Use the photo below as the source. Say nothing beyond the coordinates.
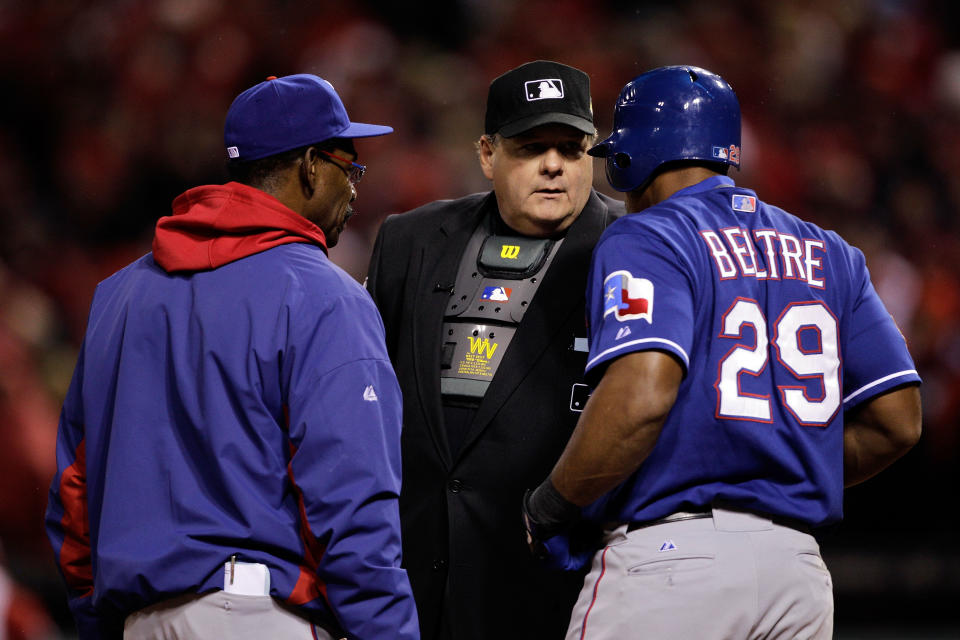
(233, 396)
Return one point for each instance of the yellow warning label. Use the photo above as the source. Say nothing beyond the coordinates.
(477, 362)
(479, 345)
(474, 365)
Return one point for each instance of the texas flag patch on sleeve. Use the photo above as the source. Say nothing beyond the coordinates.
(627, 297)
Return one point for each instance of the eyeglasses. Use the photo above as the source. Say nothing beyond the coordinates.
(354, 173)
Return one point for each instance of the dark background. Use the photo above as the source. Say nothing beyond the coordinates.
(111, 108)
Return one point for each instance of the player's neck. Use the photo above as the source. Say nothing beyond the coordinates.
(665, 185)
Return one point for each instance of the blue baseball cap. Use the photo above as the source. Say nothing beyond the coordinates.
(285, 113)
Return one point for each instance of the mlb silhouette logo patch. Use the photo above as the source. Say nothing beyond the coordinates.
(496, 294)
(543, 89)
(729, 154)
(744, 203)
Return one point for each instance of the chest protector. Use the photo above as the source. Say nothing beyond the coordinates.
(496, 280)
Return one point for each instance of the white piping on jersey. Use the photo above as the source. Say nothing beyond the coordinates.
(683, 354)
(880, 381)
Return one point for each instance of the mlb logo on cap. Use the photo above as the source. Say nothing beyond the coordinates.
(538, 93)
(543, 89)
(720, 153)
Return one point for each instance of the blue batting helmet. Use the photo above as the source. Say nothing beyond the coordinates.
(667, 114)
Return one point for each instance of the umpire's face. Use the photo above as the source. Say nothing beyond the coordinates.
(542, 177)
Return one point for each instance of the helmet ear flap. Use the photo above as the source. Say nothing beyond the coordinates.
(624, 169)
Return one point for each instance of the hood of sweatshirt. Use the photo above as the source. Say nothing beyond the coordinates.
(213, 225)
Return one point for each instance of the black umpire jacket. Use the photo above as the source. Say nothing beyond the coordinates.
(463, 545)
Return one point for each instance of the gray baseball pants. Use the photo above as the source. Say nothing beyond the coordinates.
(218, 614)
(729, 575)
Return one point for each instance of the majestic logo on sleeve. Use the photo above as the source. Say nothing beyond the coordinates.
(627, 297)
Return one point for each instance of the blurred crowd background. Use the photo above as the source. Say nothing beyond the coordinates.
(111, 108)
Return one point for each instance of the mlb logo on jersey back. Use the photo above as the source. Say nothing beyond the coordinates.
(628, 298)
(543, 89)
(747, 204)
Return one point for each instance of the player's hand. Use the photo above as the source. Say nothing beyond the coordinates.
(569, 549)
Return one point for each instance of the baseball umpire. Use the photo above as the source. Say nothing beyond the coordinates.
(482, 302)
(745, 372)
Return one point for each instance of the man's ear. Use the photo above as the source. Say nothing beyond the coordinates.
(308, 171)
(485, 151)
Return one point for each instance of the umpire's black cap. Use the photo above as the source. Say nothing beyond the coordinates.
(536, 93)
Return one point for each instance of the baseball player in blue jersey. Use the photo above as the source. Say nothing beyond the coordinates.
(228, 457)
(744, 372)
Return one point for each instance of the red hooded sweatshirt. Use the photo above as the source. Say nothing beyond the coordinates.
(213, 225)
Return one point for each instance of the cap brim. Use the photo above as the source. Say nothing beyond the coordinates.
(602, 148)
(363, 130)
(525, 124)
